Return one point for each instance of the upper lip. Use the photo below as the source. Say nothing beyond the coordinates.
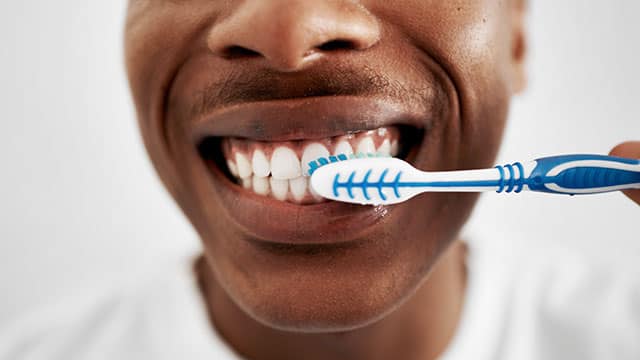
(306, 118)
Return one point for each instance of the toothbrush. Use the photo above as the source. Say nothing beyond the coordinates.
(380, 181)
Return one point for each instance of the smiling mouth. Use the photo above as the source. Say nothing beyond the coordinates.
(254, 155)
(279, 169)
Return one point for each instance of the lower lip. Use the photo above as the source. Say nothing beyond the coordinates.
(272, 221)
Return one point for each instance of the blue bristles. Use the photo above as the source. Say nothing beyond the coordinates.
(316, 164)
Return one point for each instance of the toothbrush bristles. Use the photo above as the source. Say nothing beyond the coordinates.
(322, 161)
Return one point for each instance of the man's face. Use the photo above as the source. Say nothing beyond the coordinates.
(216, 82)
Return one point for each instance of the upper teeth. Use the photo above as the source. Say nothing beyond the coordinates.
(285, 164)
(343, 147)
(261, 166)
(244, 165)
(279, 169)
(312, 152)
(366, 146)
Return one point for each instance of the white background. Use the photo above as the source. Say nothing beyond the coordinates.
(80, 204)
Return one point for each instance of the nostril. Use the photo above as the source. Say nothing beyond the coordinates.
(236, 52)
(338, 44)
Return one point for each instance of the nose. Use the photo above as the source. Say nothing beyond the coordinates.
(288, 35)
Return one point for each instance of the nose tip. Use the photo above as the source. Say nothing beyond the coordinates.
(289, 35)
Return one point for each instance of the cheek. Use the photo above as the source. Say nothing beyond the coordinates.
(458, 33)
(470, 41)
(158, 37)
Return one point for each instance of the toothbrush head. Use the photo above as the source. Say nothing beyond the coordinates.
(322, 161)
(364, 181)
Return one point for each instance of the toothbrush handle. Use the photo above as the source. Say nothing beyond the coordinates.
(572, 174)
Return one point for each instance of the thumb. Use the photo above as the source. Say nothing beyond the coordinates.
(630, 149)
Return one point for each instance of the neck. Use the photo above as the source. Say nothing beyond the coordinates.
(421, 328)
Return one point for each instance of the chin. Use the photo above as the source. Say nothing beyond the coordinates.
(337, 287)
(334, 294)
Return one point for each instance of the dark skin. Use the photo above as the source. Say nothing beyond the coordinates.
(394, 289)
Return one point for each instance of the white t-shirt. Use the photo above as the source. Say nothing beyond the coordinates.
(521, 303)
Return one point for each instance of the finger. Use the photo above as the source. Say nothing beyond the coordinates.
(630, 149)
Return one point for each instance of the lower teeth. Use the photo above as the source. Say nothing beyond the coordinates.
(280, 170)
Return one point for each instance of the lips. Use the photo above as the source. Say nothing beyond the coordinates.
(225, 138)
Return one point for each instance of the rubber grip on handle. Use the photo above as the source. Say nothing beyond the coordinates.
(584, 174)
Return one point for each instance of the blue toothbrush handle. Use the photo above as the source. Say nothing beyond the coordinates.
(574, 174)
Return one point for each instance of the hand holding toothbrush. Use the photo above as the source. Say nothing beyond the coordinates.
(630, 149)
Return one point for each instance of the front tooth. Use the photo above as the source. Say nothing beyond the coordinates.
(385, 148)
(279, 188)
(246, 183)
(395, 148)
(244, 166)
(285, 164)
(312, 152)
(298, 187)
(366, 146)
(261, 185)
(233, 169)
(343, 147)
(260, 164)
